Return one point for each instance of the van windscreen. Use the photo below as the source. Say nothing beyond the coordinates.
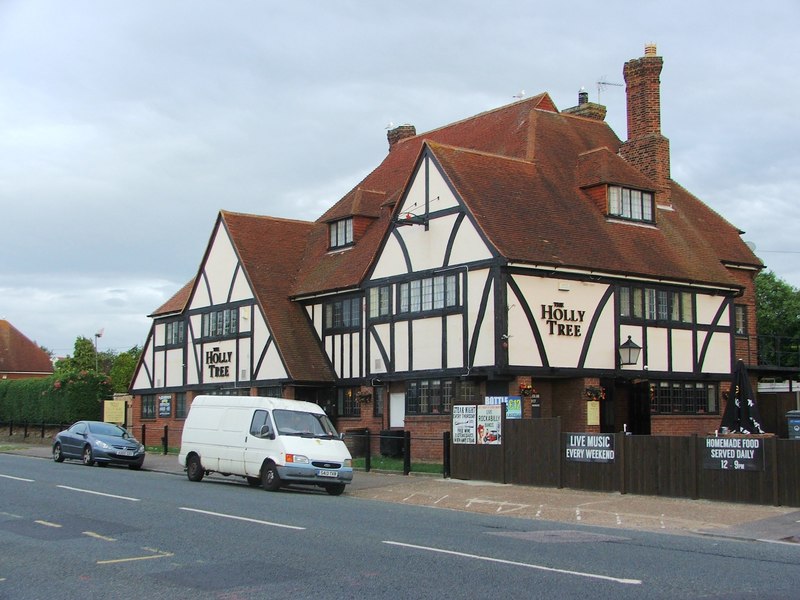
(305, 424)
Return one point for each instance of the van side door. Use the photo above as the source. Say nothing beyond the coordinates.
(259, 444)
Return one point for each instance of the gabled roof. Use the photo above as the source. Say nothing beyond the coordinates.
(555, 224)
(20, 355)
(270, 250)
(506, 130)
(177, 303)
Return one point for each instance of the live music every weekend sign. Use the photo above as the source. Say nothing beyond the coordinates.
(590, 447)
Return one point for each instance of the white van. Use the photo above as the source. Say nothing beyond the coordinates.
(269, 441)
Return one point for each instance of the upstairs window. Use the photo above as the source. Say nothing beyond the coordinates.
(430, 293)
(651, 304)
(633, 205)
(740, 314)
(343, 315)
(174, 333)
(379, 302)
(341, 233)
(221, 323)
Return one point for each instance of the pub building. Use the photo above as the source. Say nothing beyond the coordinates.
(522, 252)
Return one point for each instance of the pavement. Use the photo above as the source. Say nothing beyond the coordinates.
(777, 524)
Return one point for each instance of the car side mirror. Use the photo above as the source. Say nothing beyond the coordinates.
(266, 432)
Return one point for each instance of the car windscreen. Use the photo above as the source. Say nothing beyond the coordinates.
(107, 429)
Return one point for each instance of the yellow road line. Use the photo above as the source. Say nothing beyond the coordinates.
(133, 558)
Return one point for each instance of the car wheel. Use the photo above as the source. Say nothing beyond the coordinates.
(254, 481)
(87, 456)
(335, 489)
(194, 469)
(270, 478)
(58, 455)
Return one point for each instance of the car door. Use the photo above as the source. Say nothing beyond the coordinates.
(258, 447)
(73, 439)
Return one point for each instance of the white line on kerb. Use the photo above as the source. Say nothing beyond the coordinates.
(74, 489)
(518, 564)
(17, 478)
(248, 519)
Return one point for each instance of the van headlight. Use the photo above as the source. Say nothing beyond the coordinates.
(297, 459)
(348, 462)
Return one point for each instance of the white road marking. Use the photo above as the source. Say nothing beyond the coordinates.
(248, 519)
(17, 478)
(97, 536)
(519, 564)
(159, 554)
(48, 524)
(74, 489)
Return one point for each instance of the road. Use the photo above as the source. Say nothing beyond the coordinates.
(69, 531)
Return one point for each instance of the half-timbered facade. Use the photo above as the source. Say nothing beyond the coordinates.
(514, 253)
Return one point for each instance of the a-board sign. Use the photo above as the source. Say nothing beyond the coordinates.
(733, 453)
(589, 447)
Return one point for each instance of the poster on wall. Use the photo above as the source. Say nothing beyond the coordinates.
(165, 405)
(513, 405)
(464, 421)
(490, 423)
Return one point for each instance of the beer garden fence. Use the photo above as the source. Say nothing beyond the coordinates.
(535, 452)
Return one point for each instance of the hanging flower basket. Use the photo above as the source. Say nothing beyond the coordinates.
(594, 393)
(364, 396)
(526, 390)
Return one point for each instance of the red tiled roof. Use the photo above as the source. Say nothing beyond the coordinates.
(270, 250)
(177, 303)
(18, 354)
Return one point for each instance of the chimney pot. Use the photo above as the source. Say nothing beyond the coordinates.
(400, 133)
(583, 96)
(650, 49)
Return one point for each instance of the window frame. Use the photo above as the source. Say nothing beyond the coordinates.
(343, 314)
(631, 204)
(740, 314)
(684, 398)
(655, 304)
(340, 233)
(220, 323)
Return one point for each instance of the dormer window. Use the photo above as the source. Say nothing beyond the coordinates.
(630, 204)
(341, 233)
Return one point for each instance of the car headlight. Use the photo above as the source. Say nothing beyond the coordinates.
(101, 444)
(141, 448)
(297, 459)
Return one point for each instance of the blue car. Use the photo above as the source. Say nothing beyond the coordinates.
(98, 442)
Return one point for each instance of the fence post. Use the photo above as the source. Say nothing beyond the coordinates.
(406, 452)
(561, 452)
(446, 454)
(165, 439)
(619, 445)
(776, 495)
(25, 430)
(11, 428)
(695, 469)
(368, 452)
(42, 428)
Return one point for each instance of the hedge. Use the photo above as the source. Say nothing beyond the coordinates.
(65, 397)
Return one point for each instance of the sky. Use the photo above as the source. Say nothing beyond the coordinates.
(125, 127)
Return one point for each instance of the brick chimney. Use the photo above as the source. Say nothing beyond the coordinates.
(646, 148)
(400, 133)
(590, 110)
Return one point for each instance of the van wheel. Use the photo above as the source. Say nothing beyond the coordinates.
(194, 470)
(335, 489)
(254, 481)
(269, 478)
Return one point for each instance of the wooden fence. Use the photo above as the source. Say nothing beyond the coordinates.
(534, 452)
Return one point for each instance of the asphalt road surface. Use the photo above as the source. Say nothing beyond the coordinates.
(68, 531)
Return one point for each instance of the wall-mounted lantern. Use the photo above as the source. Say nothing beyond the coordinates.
(629, 352)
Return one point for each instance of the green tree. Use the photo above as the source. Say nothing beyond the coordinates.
(83, 357)
(777, 306)
(122, 369)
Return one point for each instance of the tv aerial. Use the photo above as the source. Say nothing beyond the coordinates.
(602, 83)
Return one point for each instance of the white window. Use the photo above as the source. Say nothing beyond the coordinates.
(341, 233)
(626, 203)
